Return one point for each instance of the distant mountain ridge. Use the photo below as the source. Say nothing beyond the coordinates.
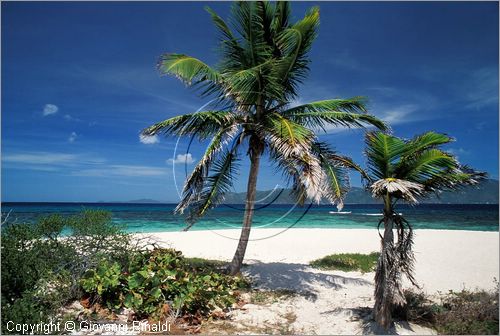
(136, 201)
(484, 193)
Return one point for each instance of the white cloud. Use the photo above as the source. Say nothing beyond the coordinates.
(122, 170)
(40, 158)
(482, 88)
(48, 160)
(399, 114)
(149, 140)
(49, 109)
(182, 158)
(78, 165)
(69, 117)
(72, 137)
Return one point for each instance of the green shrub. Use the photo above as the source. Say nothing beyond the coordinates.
(159, 276)
(41, 271)
(348, 262)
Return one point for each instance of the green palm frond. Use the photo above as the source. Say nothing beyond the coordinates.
(352, 105)
(248, 23)
(425, 141)
(215, 186)
(337, 182)
(187, 68)
(246, 85)
(289, 131)
(223, 27)
(418, 166)
(382, 151)
(293, 43)
(339, 112)
(201, 124)
(194, 183)
(454, 179)
(426, 165)
(281, 15)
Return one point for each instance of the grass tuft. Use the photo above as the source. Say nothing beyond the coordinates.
(347, 262)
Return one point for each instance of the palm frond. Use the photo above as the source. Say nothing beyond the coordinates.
(215, 186)
(339, 112)
(195, 181)
(187, 68)
(336, 167)
(382, 153)
(248, 23)
(222, 26)
(454, 179)
(406, 190)
(290, 148)
(293, 133)
(426, 165)
(337, 182)
(425, 141)
(418, 161)
(201, 124)
(281, 16)
(294, 43)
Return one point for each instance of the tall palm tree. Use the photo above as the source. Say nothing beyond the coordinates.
(263, 59)
(406, 170)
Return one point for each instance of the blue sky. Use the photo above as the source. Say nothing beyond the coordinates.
(79, 83)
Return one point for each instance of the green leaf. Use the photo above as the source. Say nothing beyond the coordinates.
(135, 280)
(156, 293)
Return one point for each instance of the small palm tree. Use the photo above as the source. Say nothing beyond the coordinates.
(263, 59)
(406, 170)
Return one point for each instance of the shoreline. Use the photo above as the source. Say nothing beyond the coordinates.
(445, 259)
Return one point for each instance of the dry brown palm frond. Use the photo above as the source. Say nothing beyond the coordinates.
(395, 261)
(407, 190)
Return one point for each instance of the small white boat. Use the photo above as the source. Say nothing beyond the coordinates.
(340, 212)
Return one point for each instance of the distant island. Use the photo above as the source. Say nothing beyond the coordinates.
(484, 193)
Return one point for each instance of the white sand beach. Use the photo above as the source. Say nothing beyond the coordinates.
(445, 259)
(333, 301)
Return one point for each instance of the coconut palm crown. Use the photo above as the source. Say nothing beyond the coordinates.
(263, 59)
(406, 170)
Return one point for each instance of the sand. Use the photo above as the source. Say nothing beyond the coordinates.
(445, 259)
(335, 302)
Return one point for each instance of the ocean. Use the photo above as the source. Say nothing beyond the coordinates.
(159, 217)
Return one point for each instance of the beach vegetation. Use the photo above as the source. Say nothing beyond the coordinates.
(348, 262)
(43, 262)
(86, 257)
(462, 312)
(408, 171)
(264, 57)
(270, 296)
(158, 277)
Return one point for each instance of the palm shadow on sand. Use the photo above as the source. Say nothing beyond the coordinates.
(295, 277)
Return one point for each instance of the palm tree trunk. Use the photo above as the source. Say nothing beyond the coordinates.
(384, 285)
(235, 265)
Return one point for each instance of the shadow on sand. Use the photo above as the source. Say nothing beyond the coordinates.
(299, 278)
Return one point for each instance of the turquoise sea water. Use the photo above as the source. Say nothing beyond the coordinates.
(160, 217)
